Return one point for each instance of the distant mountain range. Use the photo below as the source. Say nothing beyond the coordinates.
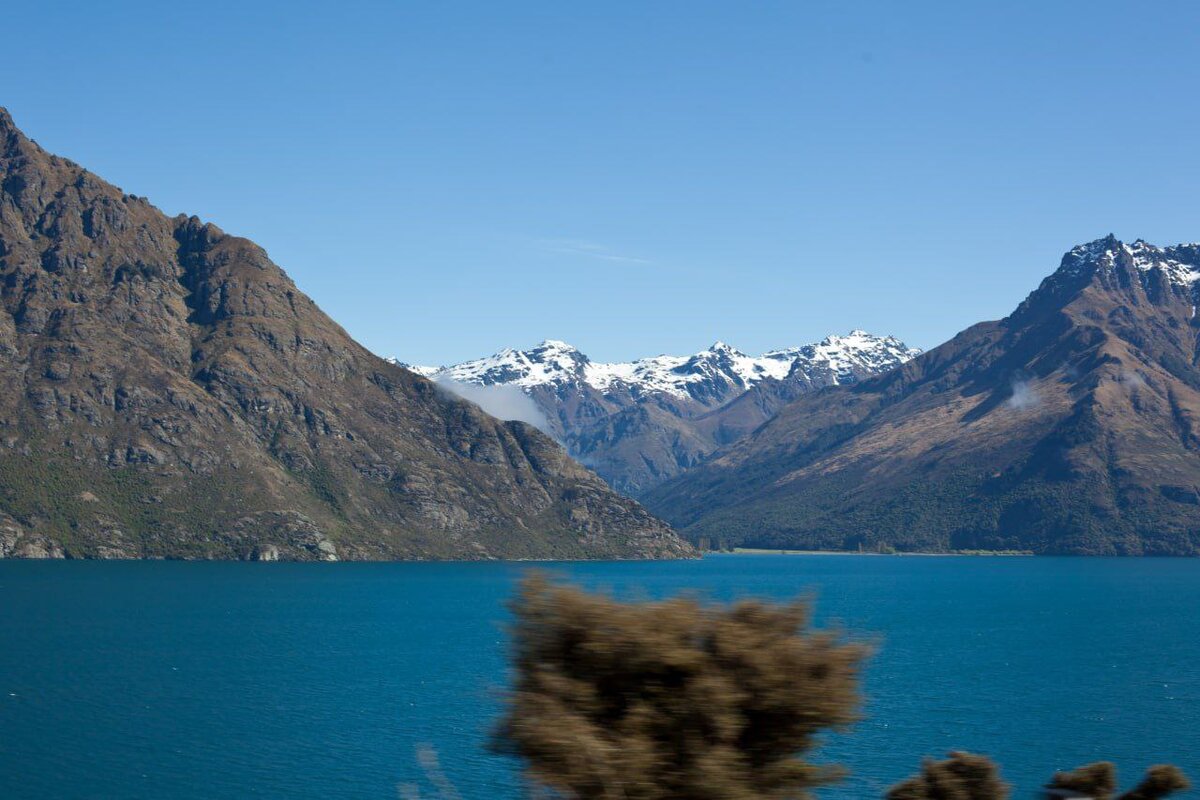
(167, 391)
(1070, 426)
(641, 422)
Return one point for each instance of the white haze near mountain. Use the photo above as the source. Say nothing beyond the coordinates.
(500, 400)
(1023, 395)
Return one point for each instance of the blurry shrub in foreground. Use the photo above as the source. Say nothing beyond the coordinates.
(676, 700)
(672, 699)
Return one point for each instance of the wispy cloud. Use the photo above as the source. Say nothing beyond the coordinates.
(1023, 394)
(582, 247)
(501, 401)
(1131, 379)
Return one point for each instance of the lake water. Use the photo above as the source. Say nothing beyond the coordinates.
(233, 680)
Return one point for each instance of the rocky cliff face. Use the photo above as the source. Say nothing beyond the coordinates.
(1071, 426)
(642, 422)
(167, 391)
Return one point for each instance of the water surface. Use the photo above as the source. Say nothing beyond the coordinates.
(232, 680)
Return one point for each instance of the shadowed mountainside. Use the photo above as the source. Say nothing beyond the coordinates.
(167, 391)
(1071, 426)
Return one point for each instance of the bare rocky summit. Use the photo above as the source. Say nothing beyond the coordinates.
(167, 391)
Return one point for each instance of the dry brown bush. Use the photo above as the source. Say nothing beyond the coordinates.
(964, 776)
(678, 700)
(673, 699)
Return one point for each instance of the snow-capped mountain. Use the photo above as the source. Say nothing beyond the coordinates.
(706, 377)
(640, 422)
(1071, 426)
(1179, 264)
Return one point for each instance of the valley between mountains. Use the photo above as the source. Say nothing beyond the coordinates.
(1072, 426)
(166, 391)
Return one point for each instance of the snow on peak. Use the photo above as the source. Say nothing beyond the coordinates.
(555, 345)
(423, 371)
(556, 363)
(1180, 264)
(856, 353)
(552, 361)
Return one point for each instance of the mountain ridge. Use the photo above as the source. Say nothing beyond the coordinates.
(1066, 427)
(167, 391)
(556, 361)
(640, 422)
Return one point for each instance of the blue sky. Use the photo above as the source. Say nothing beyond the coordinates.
(449, 178)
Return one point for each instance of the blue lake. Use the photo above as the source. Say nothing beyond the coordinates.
(233, 680)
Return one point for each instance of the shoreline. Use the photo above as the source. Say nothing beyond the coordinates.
(755, 551)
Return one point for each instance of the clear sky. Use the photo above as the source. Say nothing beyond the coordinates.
(448, 178)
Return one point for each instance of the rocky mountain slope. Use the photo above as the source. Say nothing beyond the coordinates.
(167, 391)
(1071, 426)
(639, 423)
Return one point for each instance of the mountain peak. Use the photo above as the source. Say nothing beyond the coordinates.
(1022, 433)
(1180, 264)
(208, 436)
(552, 361)
(1093, 251)
(556, 344)
(12, 140)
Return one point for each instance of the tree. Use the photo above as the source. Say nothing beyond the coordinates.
(672, 699)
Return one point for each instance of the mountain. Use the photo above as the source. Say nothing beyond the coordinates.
(167, 391)
(1070, 426)
(641, 422)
